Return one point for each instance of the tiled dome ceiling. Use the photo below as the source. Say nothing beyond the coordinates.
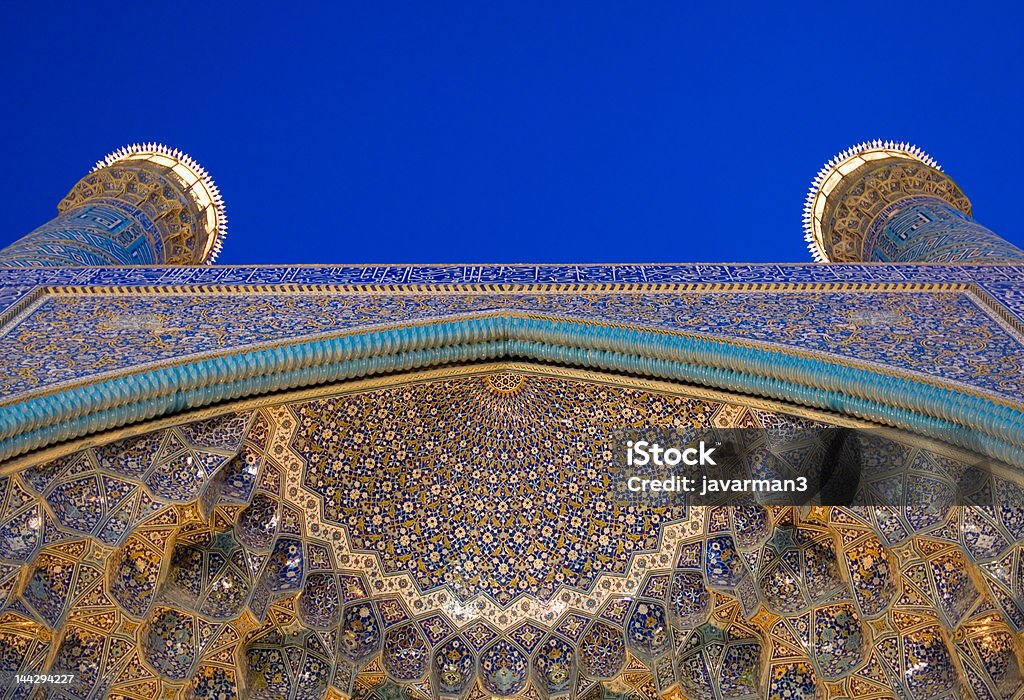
(453, 536)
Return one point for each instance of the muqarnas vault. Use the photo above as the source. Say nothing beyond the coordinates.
(394, 481)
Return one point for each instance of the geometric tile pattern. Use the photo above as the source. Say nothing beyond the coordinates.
(524, 531)
(100, 233)
(917, 331)
(921, 601)
(926, 228)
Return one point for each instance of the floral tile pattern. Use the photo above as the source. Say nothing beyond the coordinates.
(918, 330)
(417, 541)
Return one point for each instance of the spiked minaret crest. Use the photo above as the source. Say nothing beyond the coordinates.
(196, 180)
(836, 169)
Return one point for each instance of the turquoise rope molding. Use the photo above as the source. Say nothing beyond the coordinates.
(957, 417)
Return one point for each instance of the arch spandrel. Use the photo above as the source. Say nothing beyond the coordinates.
(437, 573)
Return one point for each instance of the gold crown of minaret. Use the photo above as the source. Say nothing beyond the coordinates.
(854, 188)
(174, 191)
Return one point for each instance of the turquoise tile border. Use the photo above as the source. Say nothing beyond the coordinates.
(957, 417)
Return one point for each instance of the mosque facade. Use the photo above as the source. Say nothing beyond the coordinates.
(402, 481)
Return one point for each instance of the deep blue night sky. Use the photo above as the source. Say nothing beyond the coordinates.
(473, 132)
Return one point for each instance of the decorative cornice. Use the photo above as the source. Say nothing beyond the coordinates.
(932, 410)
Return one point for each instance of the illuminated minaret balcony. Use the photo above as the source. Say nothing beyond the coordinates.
(142, 205)
(890, 202)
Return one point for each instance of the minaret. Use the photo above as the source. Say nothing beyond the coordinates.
(142, 205)
(890, 202)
